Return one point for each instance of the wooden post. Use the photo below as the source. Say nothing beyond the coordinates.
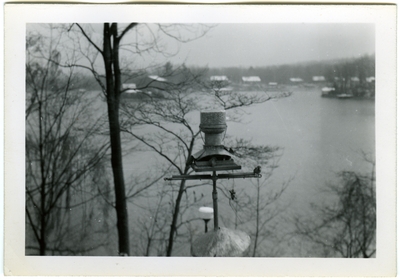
(215, 200)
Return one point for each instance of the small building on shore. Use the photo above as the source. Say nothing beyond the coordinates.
(157, 78)
(296, 80)
(318, 79)
(129, 88)
(219, 82)
(251, 79)
(219, 78)
(370, 79)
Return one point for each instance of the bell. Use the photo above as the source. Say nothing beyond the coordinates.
(214, 156)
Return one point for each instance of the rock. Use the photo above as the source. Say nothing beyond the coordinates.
(221, 243)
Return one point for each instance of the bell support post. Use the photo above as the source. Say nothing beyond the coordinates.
(214, 157)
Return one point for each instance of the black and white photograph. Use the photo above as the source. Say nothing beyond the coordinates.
(245, 141)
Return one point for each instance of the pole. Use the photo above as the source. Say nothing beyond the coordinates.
(205, 223)
(215, 200)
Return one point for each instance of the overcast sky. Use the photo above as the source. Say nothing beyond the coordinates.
(272, 44)
(265, 44)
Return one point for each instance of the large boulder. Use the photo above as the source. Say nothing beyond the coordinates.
(221, 243)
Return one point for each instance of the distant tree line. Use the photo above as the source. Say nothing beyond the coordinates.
(361, 67)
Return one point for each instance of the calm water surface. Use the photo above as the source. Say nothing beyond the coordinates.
(320, 136)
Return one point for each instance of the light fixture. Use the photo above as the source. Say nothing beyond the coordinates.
(206, 214)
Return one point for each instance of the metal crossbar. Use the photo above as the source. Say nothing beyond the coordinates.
(210, 177)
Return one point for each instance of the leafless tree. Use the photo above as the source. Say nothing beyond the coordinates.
(345, 227)
(63, 154)
(115, 46)
(151, 226)
(256, 205)
(151, 230)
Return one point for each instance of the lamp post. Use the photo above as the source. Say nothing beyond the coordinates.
(206, 214)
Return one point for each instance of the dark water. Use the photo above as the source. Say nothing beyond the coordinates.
(320, 136)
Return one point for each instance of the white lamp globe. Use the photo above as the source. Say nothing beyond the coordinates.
(206, 213)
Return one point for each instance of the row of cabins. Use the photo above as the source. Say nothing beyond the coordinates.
(221, 82)
(349, 88)
(249, 79)
(294, 80)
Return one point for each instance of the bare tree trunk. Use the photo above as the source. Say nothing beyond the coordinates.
(175, 218)
(257, 218)
(178, 199)
(42, 240)
(113, 82)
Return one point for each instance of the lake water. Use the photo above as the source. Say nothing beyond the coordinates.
(319, 137)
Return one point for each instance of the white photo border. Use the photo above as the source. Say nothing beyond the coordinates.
(15, 261)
